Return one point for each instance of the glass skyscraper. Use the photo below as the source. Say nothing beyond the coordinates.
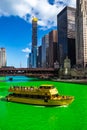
(34, 42)
(66, 35)
(45, 45)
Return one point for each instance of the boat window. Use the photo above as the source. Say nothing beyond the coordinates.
(46, 87)
(55, 95)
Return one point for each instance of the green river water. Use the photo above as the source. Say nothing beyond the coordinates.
(16, 116)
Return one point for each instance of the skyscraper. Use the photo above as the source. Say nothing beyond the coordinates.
(34, 42)
(81, 32)
(45, 45)
(29, 61)
(39, 56)
(2, 57)
(66, 35)
(53, 41)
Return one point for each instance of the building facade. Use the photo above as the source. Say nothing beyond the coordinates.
(53, 41)
(34, 42)
(29, 61)
(39, 57)
(2, 57)
(45, 45)
(81, 33)
(66, 35)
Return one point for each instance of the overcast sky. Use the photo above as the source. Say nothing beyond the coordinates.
(16, 29)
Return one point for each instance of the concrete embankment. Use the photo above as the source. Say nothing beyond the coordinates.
(76, 81)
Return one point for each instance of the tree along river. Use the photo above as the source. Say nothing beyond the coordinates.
(17, 116)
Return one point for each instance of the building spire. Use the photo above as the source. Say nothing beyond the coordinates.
(35, 19)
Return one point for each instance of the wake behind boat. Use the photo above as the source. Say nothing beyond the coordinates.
(44, 95)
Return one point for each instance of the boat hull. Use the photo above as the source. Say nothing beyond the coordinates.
(40, 102)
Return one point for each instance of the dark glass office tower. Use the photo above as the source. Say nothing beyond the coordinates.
(66, 35)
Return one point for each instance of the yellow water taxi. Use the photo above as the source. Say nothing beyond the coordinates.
(44, 95)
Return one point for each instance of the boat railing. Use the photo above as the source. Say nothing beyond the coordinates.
(21, 88)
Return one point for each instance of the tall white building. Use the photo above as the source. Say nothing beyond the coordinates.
(81, 32)
(2, 57)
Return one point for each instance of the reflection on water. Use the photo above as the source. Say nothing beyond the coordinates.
(16, 78)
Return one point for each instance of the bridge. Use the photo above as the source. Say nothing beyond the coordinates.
(31, 72)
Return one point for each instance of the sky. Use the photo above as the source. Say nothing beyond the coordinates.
(16, 25)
